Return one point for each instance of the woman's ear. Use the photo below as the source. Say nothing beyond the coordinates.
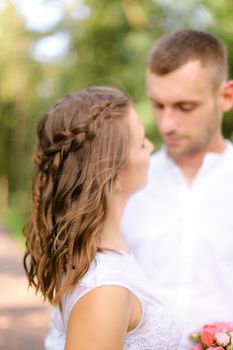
(118, 184)
(227, 95)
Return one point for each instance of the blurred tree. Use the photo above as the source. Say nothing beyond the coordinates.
(104, 42)
(16, 75)
(19, 104)
(109, 46)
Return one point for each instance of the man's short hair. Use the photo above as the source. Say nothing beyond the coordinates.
(177, 48)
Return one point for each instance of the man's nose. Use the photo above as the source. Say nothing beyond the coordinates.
(168, 122)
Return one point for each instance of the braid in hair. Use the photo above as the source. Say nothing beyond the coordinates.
(82, 144)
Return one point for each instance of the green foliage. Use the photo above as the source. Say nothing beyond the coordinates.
(108, 46)
(13, 220)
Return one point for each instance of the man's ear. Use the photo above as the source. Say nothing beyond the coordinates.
(226, 92)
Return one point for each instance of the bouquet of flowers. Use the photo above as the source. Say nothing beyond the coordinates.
(215, 336)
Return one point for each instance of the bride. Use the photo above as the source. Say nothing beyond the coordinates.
(91, 156)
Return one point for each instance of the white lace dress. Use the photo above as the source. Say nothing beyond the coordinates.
(159, 327)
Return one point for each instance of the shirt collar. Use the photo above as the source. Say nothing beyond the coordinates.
(210, 160)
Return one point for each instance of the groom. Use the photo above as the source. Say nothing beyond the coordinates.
(180, 227)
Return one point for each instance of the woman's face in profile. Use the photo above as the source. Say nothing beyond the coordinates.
(134, 175)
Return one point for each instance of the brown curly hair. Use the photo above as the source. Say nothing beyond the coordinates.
(83, 141)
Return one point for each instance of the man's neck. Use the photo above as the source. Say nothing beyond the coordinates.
(190, 164)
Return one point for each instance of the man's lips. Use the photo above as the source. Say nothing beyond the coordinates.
(173, 139)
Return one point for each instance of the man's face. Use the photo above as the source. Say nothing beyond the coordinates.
(187, 109)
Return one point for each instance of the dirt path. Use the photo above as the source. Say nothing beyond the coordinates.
(23, 316)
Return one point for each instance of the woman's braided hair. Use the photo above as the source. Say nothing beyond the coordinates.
(83, 142)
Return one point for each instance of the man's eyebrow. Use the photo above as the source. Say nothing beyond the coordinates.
(186, 102)
(154, 100)
(177, 102)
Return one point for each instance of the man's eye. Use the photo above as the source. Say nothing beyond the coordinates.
(186, 108)
(157, 106)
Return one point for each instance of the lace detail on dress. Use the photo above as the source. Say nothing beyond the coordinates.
(104, 269)
(158, 329)
(161, 330)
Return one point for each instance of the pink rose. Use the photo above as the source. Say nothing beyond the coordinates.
(207, 338)
(222, 339)
(197, 347)
(212, 329)
(218, 327)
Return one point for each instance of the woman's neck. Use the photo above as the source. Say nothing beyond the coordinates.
(111, 237)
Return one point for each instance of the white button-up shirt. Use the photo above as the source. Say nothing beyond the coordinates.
(182, 235)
